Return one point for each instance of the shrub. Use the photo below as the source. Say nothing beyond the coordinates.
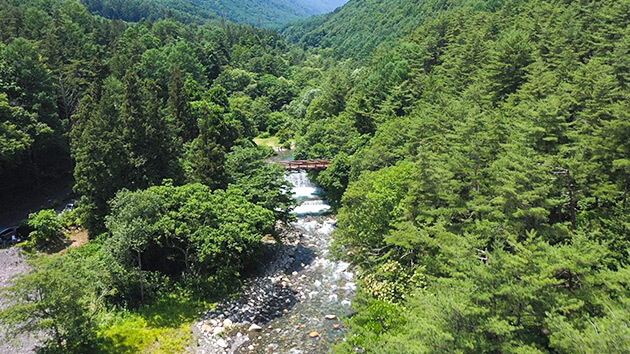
(46, 225)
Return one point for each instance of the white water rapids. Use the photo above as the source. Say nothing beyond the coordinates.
(324, 286)
(308, 194)
(297, 309)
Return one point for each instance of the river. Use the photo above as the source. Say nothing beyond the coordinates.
(299, 304)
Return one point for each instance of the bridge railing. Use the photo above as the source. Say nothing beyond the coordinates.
(306, 164)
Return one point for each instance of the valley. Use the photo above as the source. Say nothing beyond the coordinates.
(295, 176)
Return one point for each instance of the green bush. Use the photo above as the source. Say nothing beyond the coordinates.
(46, 225)
(70, 218)
(391, 282)
(58, 300)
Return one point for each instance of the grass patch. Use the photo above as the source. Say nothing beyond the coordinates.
(270, 141)
(161, 327)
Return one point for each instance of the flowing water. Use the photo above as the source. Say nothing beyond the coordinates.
(325, 286)
(298, 306)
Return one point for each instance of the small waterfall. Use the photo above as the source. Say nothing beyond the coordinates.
(308, 195)
(300, 307)
(325, 287)
(311, 207)
(303, 187)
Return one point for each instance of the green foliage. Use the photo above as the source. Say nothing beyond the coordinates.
(479, 149)
(479, 160)
(263, 183)
(360, 27)
(46, 226)
(255, 12)
(374, 319)
(70, 219)
(19, 129)
(157, 113)
(162, 326)
(335, 178)
(608, 333)
(183, 231)
(66, 297)
(60, 297)
(391, 282)
(29, 125)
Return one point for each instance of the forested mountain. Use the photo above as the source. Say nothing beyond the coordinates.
(155, 122)
(361, 26)
(316, 7)
(266, 13)
(481, 172)
(65, 52)
(480, 165)
(136, 10)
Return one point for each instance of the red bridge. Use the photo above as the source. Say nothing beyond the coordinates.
(306, 164)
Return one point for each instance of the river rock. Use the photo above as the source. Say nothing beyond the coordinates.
(218, 330)
(313, 334)
(222, 343)
(255, 328)
(206, 328)
(330, 317)
(227, 322)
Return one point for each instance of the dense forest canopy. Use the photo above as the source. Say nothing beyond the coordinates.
(266, 13)
(480, 162)
(358, 29)
(154, 121)
(269, 13)
(480, 167)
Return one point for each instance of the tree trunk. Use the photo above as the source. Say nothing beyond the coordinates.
(140, 277)
(625, 193)
(572, 202)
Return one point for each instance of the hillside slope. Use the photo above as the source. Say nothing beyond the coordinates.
(320, 6)
(359, 27)
(136, 10)
(268, 13)
(265, 13)
(481, 170)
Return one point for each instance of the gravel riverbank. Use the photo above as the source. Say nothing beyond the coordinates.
(12, 264)
(298, 304)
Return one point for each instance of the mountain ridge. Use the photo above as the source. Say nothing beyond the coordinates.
(358, 28)
(262, 13)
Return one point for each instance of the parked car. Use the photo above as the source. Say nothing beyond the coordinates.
(8, 236)
(69, 207)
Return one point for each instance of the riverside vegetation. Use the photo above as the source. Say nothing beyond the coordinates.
(480, 168)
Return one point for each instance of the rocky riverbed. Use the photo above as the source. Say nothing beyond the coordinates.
(297, 305)
(12, 264)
